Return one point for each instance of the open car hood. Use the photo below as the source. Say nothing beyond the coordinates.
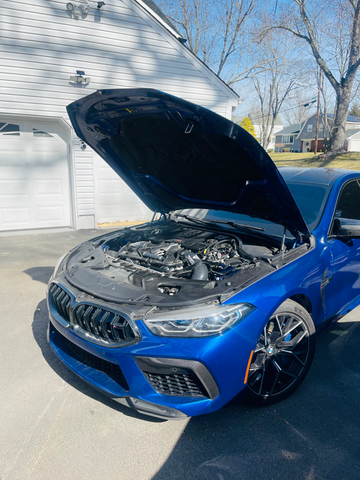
(177, 155)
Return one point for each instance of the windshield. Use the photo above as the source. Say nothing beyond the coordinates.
(310, 198)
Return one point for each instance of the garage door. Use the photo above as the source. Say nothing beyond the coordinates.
(355, 145)
(34, 174)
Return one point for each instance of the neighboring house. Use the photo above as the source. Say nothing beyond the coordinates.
(47, 177)
(301, 138)
(285, 138)
(352, 142)
(259, 129)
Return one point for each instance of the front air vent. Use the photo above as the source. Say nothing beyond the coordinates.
(109, 326)
(61, 301)
(112, 370)
(182, 385)
(95, 323)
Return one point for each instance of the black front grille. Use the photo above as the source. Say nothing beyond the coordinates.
(109, 326)
(61, 300)
(111, 369)
(182, 385)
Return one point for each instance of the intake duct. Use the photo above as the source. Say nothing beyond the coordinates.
(200, 272)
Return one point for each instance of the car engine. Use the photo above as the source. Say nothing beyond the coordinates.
(182, 253)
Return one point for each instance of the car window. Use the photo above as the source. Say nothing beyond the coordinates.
(348, 205)
(310, 198)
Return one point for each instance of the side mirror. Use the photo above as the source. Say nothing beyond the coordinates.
(344, 227)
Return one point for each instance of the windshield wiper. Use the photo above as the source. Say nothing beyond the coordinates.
(232, 224)
(192, 219)
(238, 225)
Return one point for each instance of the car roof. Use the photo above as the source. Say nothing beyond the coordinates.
(320, 176)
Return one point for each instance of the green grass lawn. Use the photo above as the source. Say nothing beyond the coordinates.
(349, 160)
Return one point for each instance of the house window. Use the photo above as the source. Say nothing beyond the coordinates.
(9, 129)
(309, 128)
(40, 133)
(288, 139)
(321, 127)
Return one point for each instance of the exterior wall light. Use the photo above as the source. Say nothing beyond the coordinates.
(78, 8)
(100, 4)
(79, 78)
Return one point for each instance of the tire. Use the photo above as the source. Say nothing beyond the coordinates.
(282, 356)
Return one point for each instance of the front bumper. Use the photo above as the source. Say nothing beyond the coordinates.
(125, 373)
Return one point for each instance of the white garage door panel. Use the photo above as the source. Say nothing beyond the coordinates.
(116, 202)
(17, 188)
(48, 187)
(34, 176)
(12, 157)
(12, 216)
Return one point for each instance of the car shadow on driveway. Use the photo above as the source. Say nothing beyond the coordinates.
(40, 274)
(39, 328)
(313, 435)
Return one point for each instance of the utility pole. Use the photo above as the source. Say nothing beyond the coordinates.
(317, 115)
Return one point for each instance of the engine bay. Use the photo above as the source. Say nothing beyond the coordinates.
(152, 263)
(187, 253)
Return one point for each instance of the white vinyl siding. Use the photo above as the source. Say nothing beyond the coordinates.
(355, 146)
(354, 143)
(119, 46)
(42, 45)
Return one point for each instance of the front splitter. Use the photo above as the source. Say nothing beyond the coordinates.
(152, 409)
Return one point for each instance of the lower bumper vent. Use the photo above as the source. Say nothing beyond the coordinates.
(111, 369)
(181, 378)
(184, 385)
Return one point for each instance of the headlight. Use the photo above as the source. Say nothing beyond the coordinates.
(198, 321)
(59, 265)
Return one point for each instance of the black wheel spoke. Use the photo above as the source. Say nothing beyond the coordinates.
(298, 359)
(275, 381)
(280, 369)
(262, 378)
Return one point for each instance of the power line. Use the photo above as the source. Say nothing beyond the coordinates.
(285, 110)
(290, 108)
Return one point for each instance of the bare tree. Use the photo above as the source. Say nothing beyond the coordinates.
(219, 33)
(331, 29)
(274, 84)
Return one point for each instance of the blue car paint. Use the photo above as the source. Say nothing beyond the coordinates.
(216, 353)
(226, 356)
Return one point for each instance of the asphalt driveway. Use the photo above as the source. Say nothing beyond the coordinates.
(53, 426)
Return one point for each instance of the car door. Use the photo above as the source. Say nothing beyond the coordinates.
(344, 280)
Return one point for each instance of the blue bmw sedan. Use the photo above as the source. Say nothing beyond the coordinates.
(224, 290)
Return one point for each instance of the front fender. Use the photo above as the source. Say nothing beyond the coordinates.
(302, 276)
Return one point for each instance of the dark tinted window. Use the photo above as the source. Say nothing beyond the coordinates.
(348, 205)
(311, 200)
